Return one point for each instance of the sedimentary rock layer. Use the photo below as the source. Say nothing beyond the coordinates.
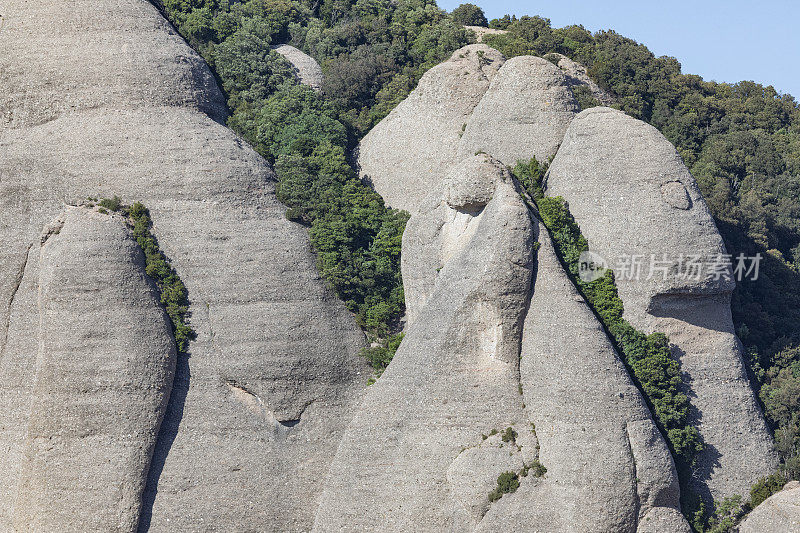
(428, 124)
(104, 370)
(636, 202)
(405, 463)
(420, 454)
(102, 98)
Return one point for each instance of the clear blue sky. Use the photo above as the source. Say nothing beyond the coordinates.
(719, 40)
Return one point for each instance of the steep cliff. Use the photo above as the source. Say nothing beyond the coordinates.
(636, 203)
(455, 376)
(608, 468)
(103, 375)
(421, 455)
(120, 105)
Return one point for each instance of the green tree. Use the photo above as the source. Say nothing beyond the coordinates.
(470, 15)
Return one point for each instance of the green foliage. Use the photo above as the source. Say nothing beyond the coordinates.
(766, 487)
(648, 356)
(112, 204)
(469, 15)
(174, 296)
(509, 435)
(727, 515)
(536, 469)
(507, 482)
(584, 97)
(380, 356)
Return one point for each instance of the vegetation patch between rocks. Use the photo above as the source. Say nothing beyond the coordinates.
(648, 357)
(372, 54)
(173, 294)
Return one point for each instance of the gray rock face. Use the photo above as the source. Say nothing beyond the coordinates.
(409, 460)
(525, 113)
(632, 196)
(778, 514)
(305, 67)
(260, 403)
(413, 459)
(481, 32)
(608, 468)
(577, 76)
(408, 153)
(104, 371)
(475, 102)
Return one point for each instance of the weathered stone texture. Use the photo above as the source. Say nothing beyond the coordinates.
(305, 67)
(117, 106)
(608, 468)
(475, 102)
(614, 171)
(778, 514)
(104, 370)
(524, 114)
(408, 153)
(577, 76)
(401, 464)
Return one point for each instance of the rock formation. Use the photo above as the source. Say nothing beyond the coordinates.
(417, 457)
(608, 468)
(402, 463)
(103, 98)
(305, 67)
(577, 77)
(428, 124)
(633, 198)
(780, 513)
(104, 371)
(264, 423)
(524, 113)
(475, 102)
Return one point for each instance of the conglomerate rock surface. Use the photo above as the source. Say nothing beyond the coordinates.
(413, 458)
(428, 125)
(637, 204)
(608, 467)
(454, 378)
(780, 513)
(103, 375)
(102, 98)
(267, 426)
(475, 102)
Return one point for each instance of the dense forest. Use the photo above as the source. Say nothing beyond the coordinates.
(740, 141)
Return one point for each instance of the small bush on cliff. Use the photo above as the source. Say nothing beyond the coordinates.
(507, 482)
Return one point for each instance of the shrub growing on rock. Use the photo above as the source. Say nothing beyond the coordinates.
(507, 482)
